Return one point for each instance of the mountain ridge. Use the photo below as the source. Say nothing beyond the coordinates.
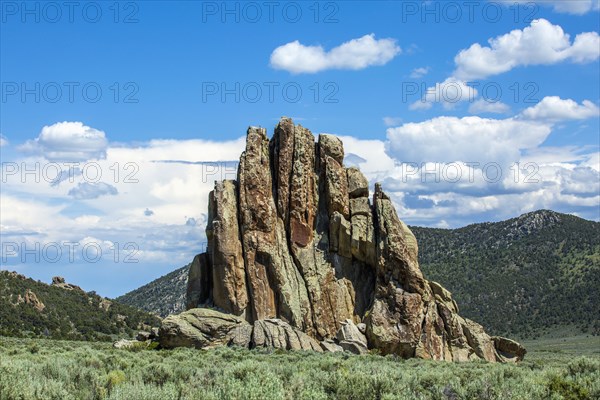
(540, 269)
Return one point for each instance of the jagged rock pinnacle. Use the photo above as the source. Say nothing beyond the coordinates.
(296, 241)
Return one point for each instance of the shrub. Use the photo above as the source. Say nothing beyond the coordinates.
(567, 389)
(33, 348)
(114, 378)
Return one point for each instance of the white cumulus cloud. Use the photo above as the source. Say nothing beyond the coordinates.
(553, 108)
(355, 54)
(469, 139)
(68, 142)
(170, 178)
(541, 43)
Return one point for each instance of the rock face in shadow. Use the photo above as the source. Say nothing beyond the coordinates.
(298, 254)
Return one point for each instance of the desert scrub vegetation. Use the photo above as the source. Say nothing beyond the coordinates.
(53, 369)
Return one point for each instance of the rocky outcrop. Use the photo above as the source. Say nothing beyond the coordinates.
(104, 304)
(330, 346)
(199, 328)
(350, 338)
(509, 350)
(204, 328)
(15, 274)
(298, 254)
(31, 299)
(278, 334)
(59, 281)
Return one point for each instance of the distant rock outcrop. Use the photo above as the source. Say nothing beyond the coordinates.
(59, 281)
(31, 299)
(298, 254)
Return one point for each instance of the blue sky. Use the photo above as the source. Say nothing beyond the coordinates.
(518, 92)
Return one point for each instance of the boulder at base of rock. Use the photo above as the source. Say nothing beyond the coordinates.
(330, 346)
(199, 328)
(354, 346)
(278, 334)
(205, 328)
(509, 350)
(362, 327)
(350, 332)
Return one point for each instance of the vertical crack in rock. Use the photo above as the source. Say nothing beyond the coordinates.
(284, 149)
(229, 291)
(258, 222)
(296, 249)
(301, 209)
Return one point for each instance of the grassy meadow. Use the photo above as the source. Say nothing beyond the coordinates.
(53, 369)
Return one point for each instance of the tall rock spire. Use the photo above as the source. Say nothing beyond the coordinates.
(297, 239)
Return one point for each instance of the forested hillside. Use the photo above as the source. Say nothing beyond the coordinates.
(64, 311)
(523, 276)
(162, 296)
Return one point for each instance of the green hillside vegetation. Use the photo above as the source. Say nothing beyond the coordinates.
(526, 276)
(162, 296)
(42, 369)
(32, 308)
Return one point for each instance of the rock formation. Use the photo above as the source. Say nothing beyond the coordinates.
(31, 299)
(298, 254)
(205, 328)
(59, 281)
